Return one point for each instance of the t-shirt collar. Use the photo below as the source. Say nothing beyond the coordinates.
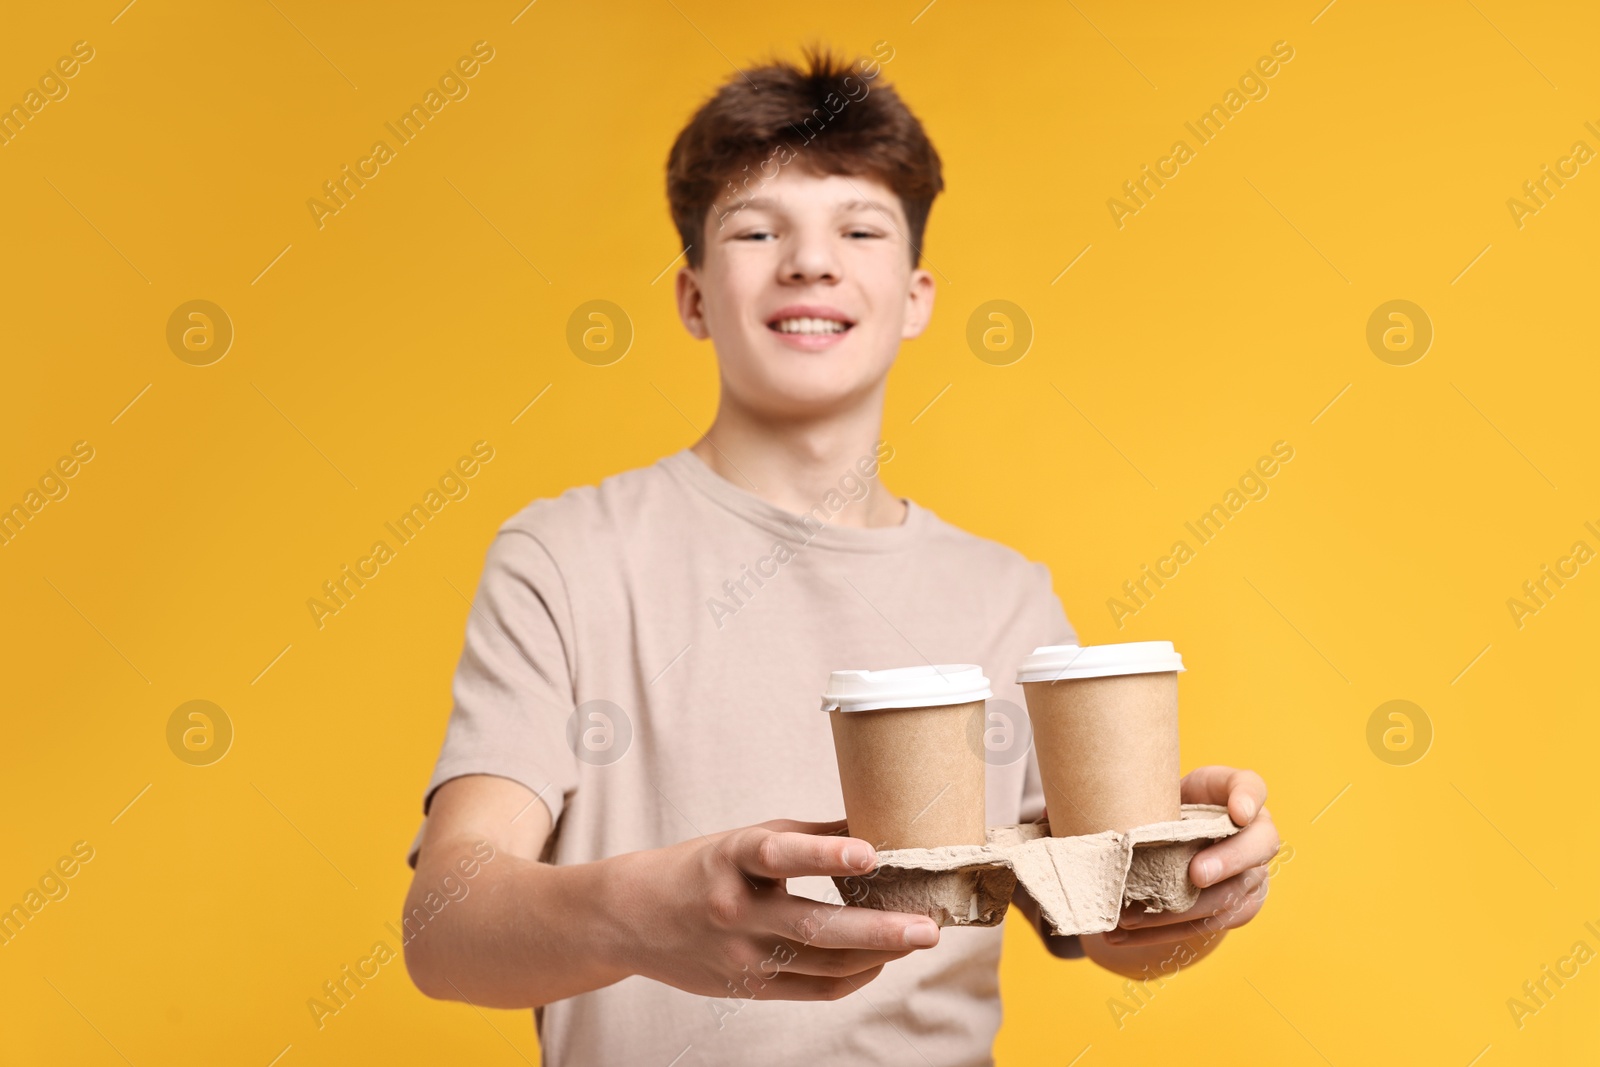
(813, 529)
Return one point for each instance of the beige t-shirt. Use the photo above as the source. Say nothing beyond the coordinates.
(707, 621)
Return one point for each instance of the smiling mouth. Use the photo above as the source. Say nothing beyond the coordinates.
(808, 325)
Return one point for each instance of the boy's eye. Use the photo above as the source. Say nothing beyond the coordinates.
(768, 235)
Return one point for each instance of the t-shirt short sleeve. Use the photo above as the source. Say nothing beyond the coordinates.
(513, 692)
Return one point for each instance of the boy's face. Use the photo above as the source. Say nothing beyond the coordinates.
(806, 291)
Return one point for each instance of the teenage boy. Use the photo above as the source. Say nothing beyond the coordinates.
(636, 728)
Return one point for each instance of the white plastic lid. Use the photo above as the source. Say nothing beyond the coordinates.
(1053, 663)
(905, 687)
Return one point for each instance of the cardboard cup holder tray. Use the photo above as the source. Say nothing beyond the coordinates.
(1081, 883)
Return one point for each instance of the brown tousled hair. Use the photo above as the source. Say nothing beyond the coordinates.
(827, 115)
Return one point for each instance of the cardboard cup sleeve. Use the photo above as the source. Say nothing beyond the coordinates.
(1080, 883)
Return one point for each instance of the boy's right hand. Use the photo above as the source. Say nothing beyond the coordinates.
(712, 916)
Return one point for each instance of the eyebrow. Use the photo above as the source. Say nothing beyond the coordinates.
(869, 205)
(767, 203)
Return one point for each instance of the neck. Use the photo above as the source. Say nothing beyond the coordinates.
(796, 464)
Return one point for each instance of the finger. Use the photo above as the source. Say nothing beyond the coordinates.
(766, 853)
(796, 826)
(1235, 915)
(1244, 792)
(835, 828)
(839, 962)
(1250, 847)
(814, 987)
(840, 926)
(1219, 898)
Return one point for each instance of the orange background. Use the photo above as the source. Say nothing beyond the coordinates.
(1229, 313)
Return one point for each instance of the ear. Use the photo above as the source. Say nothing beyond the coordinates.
(919, 304)
(691, 303)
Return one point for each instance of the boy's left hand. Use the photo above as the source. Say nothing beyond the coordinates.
(1231, 874)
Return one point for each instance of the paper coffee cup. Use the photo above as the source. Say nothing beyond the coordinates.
(1105, 729)
(909, 765)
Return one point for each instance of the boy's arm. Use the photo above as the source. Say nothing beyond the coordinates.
(710, 916)
(480, 947)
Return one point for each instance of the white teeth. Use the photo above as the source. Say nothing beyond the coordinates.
(809, 326)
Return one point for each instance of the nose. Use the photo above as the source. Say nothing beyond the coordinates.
(811, 257)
